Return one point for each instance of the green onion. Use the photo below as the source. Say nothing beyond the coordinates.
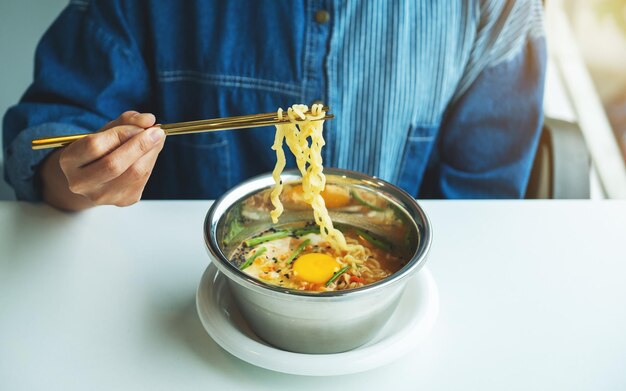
(336, 275)
(298, 251)
(365, 203)
(376, 242)
(306, 230)
(266, 238)
(252, 257)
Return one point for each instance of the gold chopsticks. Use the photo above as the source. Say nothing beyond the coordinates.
(207, 125)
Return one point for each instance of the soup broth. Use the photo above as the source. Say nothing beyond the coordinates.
(297, 257)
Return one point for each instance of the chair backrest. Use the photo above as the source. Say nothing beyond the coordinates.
(562, 164)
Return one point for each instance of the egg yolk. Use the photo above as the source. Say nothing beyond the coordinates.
(315, 267)
(334, 196)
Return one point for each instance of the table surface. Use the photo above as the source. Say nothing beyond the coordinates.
(532, 296)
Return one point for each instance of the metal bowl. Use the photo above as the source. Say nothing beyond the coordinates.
(308, 322)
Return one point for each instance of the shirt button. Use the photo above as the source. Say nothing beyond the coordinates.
(322, 16)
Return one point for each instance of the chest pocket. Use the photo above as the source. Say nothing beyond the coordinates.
(417, 151)
(192, 167)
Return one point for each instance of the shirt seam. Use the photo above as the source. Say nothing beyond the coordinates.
(229, 81)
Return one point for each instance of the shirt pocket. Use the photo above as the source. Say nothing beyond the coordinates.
(195, 166)
(415, 157)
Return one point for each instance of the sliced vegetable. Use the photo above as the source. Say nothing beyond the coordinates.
(306, 230)
(252, 257)
(266, 238)
(336, 275)
(356, 279)
(382, 244)
(365, 203)
(298, 251)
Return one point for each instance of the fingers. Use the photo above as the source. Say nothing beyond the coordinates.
(112, 166)
(133, 180)
(140, 171)
(115, 163)
(143, 120)
(121, 159)
(95, 146)
(111, 136)
(123, 119)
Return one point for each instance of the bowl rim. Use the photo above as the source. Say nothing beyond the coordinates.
(251, 185)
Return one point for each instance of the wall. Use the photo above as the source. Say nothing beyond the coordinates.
(22, 23)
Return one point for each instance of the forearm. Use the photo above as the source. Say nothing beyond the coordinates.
(55, 188)
(77, 88)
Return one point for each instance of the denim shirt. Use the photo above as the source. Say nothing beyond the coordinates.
(442, 98)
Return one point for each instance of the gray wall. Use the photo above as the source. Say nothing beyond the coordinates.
(22, 23)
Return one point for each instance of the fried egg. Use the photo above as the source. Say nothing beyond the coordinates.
(315, 267)
(334, 197)
(271, 265)
(265, 267)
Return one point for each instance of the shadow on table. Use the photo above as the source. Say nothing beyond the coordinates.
(185, 328)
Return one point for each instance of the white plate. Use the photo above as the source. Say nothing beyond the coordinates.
(409, 324)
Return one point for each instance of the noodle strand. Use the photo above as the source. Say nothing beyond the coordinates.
(296, 134)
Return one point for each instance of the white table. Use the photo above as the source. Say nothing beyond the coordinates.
(533, 296)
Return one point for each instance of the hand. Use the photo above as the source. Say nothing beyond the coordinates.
(110, 167)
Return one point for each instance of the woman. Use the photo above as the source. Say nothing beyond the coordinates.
(442, 98)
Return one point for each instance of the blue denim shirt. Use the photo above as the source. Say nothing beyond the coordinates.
(442, 97)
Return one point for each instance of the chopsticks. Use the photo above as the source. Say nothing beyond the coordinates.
(189, 127)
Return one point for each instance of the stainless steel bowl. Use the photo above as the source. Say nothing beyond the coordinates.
(307, 322)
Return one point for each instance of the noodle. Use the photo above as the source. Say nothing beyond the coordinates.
(361, 265)
(296, 133)
(278, 168)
